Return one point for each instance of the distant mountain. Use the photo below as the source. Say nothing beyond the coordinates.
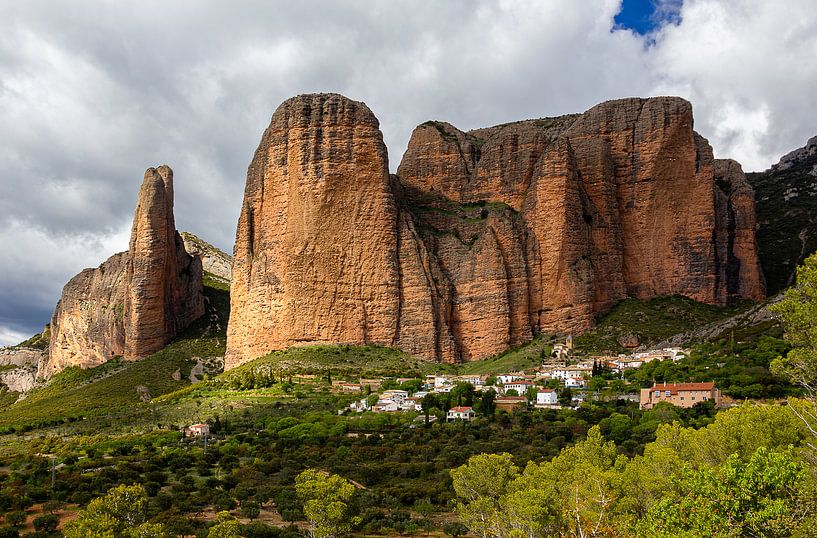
(786, 208)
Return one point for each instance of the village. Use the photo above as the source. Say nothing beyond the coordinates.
(558, 382)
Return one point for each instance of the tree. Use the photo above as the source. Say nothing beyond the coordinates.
(480, 484)
(487, 404)
(566, 396)
(463, 393)
(530, 393)
(429, 401)
(597, 383)
(325, 498)
(738, 498)
(122, 512)
(16, 518)
(798, 313)
(226, 527)
(455, 529)
(46, 523)
(250, 509)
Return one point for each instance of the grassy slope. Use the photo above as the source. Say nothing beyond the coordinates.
(109, 390)
(345, 362)
(513, 360)
(652, 321)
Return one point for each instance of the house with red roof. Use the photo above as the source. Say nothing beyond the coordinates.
(460, 413)
(680, 394)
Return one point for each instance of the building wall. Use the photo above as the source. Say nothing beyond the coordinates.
(683, 398)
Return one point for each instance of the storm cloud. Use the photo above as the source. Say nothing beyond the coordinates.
(92, 93)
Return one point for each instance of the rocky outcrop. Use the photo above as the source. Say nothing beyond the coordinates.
(20, 379)
(136, 301)
(213, 261)
(19, 366)
(797, 156)
(20, 356)
(315, 258)
(483, 238)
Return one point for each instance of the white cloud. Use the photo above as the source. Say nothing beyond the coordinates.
(91, 94)
(748, 68)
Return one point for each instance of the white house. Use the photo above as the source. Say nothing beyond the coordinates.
(519, 386)
(198, 430)
(386, 406)
(546, 397)
(444, 388)
(508, 378)
(476, 380)
(460, 413)
(398, 396)
(571, 372)
(360, 405)
(575, 383)
(412, 404)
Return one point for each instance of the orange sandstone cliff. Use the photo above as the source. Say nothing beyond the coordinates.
(483, 238)
(136, 301)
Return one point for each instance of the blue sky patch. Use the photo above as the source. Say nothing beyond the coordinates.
(645, 16)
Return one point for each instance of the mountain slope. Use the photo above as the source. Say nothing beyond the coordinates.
(786, 206)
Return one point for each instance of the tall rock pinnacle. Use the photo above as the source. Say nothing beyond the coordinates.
(316, 247)
(136, 301)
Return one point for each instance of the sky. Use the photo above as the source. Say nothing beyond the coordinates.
(94, 92)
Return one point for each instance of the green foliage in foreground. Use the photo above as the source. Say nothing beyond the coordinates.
(723, 480)
(651, 321)
(326, 502)
(799, 315)
(737, 498)
(122, 512)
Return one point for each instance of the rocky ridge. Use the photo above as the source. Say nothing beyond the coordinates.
(136, 301)
(786, 203)
(213, 261)
(483, 238)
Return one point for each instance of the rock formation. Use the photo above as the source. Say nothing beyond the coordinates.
(213, 261)
(19, 372)
(316, 249)
(483, 238)
(136, 301)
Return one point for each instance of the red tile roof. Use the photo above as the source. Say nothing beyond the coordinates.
(461, 409)
(674, 388)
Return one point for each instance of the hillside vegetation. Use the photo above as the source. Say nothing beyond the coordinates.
(646, 323)
(786, 209)
(109, 392)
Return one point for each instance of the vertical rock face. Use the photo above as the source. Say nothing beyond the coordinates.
(136, 301)
(483, 238)
(316, 248)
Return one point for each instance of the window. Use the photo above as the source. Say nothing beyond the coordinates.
(667, 393)
(658, 394)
